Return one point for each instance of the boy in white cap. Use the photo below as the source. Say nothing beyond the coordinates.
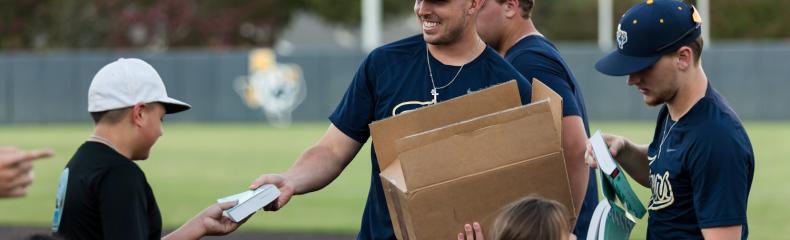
(104, 195)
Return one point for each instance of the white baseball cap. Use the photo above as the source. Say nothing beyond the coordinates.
(126, 82)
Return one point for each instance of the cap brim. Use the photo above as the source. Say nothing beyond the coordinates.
(618, 64)
(174, 106)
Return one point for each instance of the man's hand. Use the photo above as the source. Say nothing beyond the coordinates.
(16, 170)
(615, 143)
(318, 166)
(631, 157)
(471, 232)
(279, 181)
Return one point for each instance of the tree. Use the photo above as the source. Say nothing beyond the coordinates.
(83, 24)
(89, 24)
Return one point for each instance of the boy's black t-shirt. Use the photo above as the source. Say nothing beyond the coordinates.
(106, 197)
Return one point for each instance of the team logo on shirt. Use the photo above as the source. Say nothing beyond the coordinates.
(662, 191)
(651, 160)
(60, 197)
(622, 37)
(409, 106)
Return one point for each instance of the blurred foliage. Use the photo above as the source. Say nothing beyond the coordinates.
(83, 24)
(567, 19)
(87, 24)
(752, 19)
(730, 19)
(348, 12)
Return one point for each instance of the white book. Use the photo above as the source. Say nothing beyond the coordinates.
(605, 161)
(602, 235)
(250, 201)
(597, 219)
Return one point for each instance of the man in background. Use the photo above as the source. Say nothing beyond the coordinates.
(506, 26)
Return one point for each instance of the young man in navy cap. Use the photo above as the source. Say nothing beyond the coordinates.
(700, 164)
(506, 26)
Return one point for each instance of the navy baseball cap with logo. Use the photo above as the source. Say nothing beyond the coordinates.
(649, 30)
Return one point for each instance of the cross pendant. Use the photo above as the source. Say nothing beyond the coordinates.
(435, 95)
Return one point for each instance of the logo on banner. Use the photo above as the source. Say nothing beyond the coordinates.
(274, 88)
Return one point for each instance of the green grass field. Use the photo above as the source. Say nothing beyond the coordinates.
(194, 164)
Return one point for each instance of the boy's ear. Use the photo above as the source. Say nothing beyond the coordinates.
(138, 111)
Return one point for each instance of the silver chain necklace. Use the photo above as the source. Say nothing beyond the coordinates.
(435, 90)
(666, 133)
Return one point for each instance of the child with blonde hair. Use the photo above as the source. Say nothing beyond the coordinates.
(529, 218)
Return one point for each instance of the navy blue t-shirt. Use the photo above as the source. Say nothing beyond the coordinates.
(535, 57)
(398, 73)
(701, 170)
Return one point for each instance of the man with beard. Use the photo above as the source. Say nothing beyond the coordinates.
(446, 61)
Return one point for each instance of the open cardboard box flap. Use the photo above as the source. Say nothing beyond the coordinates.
(501, 142)
(439, 211)
(490, 100)
(484, 142)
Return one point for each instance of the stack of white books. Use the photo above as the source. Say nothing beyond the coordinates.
(250, 201)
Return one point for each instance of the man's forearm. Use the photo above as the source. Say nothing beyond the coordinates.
(316, 167)
(323, 162)
(579, 177)
(574, 140)
(633, 159)
(719, 233)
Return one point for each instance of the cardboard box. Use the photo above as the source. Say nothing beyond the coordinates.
(463, 160)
